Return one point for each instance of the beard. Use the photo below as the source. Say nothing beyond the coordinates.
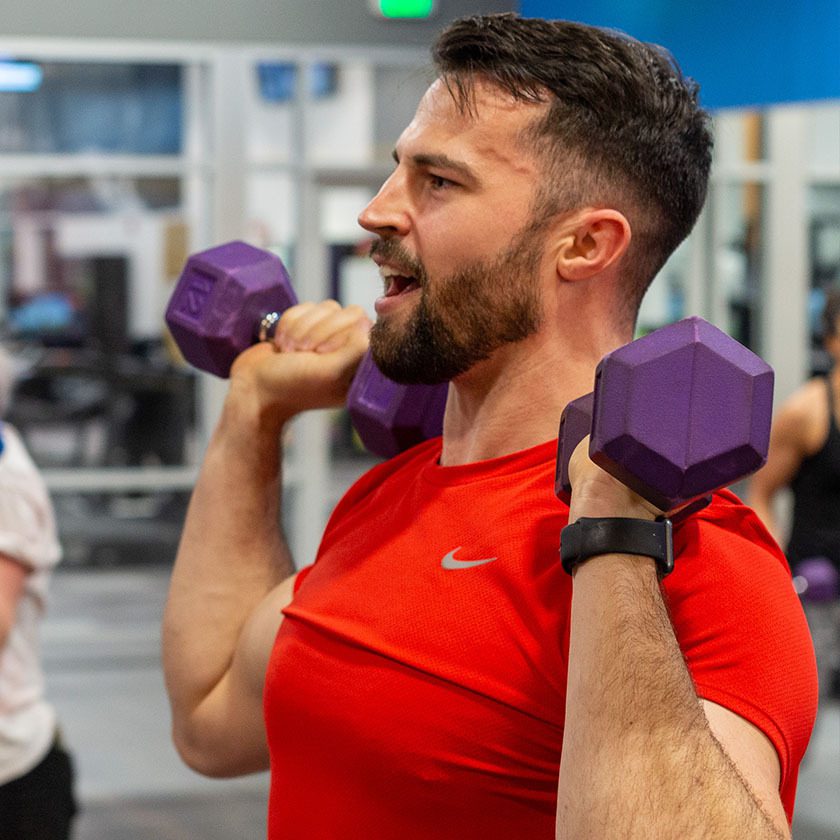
(462, 319)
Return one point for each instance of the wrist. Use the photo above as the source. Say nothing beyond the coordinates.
(246, 411)
(596, 537)
(249, 432)
(609, 499)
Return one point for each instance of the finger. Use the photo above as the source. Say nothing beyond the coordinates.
(347, 325)
(297, 323)
(579, 459)
(285, 330)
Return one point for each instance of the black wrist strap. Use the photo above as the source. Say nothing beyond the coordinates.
(589, 537)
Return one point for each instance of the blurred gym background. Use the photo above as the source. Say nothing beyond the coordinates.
(134, 134)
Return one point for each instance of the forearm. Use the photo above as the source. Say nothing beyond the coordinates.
(639, 758)
(232, 553)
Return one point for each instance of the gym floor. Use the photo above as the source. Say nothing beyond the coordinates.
(102, 657)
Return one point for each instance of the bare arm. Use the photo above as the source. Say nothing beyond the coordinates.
(796, 432)
(12, 577)
(640, 749)
(233, 571)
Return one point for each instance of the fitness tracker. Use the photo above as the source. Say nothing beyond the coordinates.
(589, 537)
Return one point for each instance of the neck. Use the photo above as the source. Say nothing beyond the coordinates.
(514, 400)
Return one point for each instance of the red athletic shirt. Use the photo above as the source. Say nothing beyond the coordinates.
(417, 685)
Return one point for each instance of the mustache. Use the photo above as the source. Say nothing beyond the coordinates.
(392, 251)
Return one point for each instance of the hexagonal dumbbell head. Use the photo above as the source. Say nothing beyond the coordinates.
(816, 580)
(220, 299)
(389, 417)
(681, 412)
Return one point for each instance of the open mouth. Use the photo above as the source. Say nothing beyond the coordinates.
(396, 283)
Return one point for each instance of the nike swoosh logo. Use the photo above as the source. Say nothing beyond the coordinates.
(449, 561)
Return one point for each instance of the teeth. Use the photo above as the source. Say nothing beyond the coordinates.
(396, 281)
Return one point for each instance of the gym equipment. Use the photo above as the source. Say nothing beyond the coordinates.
(231, 296)
(674, 415)
(816, 580)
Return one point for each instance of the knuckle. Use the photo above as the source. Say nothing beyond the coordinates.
(293, 313)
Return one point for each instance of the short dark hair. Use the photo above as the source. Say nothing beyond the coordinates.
(623, 128)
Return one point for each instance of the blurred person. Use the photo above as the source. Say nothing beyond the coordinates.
(36, 773)
(805, 457)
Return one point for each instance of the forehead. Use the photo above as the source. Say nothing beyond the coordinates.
(489, 132)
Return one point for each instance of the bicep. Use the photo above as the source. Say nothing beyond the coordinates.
(228, 729)
(12, 576)
(754, 757)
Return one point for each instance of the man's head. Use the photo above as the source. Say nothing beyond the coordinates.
(621, 127)
(544, 151)
(458, 249)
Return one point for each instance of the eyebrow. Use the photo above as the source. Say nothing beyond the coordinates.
(431, 161)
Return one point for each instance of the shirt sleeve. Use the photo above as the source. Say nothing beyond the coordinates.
(742, 629)
(27, 522)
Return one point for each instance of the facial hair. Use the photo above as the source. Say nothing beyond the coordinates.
(462, 319)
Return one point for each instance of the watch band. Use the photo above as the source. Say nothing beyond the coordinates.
(589, 537)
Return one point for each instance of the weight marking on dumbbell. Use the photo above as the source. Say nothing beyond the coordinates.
(198, 293)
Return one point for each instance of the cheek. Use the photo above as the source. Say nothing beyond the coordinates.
(468, 229)
(444, 241)
(454, 249)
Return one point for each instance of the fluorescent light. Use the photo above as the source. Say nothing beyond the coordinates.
(20, 76)
(403, 9)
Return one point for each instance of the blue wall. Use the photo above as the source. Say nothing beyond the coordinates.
(743, 52)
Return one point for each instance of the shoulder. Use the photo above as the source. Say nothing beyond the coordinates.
(732, 578)
(802, 420)
(16, 465)
(27, 521)
(728, 566)
(401, 469)
(725, 523)
(807, 400)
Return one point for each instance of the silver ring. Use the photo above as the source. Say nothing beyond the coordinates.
(268, 323)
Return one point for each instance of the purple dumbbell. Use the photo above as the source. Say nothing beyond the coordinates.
(231, 296)
(816, 580)
(674, 415)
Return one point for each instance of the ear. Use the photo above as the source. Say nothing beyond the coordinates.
(592, 241)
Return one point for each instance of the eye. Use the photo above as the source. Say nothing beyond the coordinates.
(438, 182)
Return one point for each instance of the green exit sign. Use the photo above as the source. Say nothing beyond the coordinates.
(404, 9)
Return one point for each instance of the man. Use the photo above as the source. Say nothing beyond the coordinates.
(436, 673)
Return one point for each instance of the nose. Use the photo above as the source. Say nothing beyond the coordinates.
(387, 213)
